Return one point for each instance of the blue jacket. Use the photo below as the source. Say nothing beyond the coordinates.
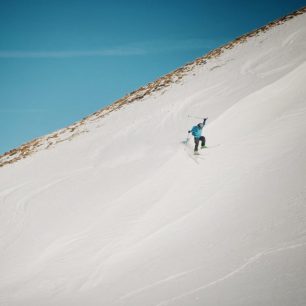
(196, 131)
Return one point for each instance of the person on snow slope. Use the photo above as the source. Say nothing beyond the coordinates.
(196, 132)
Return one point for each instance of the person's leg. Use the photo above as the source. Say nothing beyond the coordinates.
(203, 141)
(196, 141)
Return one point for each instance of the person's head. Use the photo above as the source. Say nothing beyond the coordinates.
(200, 125)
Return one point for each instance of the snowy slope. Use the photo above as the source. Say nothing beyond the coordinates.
(124, 214)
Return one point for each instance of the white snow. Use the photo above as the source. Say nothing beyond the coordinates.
(122, 215)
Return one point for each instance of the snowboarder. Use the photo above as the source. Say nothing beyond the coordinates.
(196, 132)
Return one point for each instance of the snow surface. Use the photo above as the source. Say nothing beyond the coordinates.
(125, 215)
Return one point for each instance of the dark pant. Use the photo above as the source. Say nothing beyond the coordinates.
(197, 140)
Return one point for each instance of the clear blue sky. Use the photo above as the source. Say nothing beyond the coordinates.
(61, 60)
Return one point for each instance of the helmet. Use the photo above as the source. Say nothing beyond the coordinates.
(200, 125)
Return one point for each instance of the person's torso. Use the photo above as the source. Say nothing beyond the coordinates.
(196, 131)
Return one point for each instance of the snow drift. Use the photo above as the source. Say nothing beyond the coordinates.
(123, 214)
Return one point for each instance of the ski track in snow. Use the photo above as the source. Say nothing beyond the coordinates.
(249, 262)
(22, 204)
(295, 37)
(6, 192)
(19, 216)
(4, 195)
(160, 282)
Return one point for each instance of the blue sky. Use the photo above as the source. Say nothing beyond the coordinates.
(61, 60)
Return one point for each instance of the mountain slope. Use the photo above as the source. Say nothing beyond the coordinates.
(124, 215)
